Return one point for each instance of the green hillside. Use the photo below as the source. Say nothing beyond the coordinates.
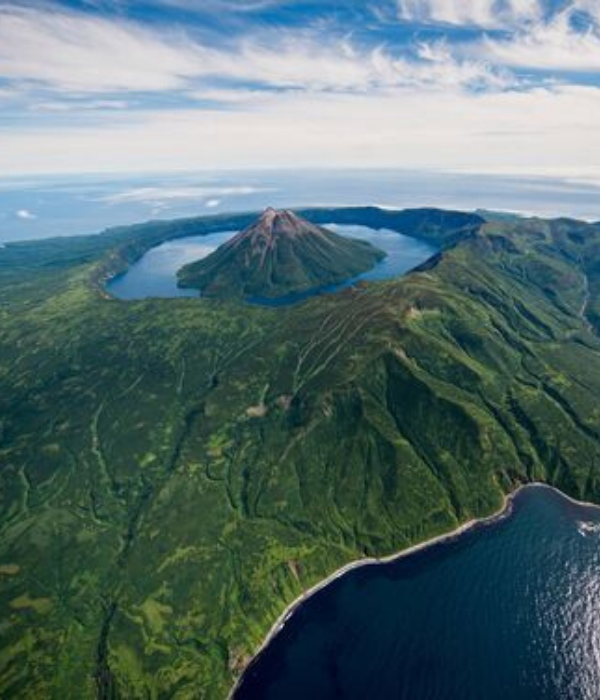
(278, 255)
(174, 472)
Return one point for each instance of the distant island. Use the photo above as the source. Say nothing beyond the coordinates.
(279, 254)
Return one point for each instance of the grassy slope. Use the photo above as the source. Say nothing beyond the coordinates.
(174, 472)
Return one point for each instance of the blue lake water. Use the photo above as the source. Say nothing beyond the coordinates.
(155, 274)
(506, 611)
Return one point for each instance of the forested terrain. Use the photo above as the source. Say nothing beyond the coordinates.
(174, 472)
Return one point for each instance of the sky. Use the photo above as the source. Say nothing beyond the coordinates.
(507, 87)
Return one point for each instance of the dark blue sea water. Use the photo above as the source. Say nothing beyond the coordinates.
(507, 611)
(38, 207)
(155, 274)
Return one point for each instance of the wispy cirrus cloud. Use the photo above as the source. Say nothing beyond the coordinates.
(62, 106)
(552, 38)
(70, 52)
(224, 5)
(488, 14)
(156, 195)
(567, 41)
(75, 52)
(431, 83)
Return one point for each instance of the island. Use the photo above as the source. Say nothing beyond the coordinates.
(278, 255)
(176, 472)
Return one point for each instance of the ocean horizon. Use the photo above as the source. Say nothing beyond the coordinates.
(67, 205)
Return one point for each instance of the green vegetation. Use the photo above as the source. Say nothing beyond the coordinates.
(278, 255)
(174, 472)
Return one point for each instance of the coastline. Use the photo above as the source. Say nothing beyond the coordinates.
(503, 512)
(562, 494)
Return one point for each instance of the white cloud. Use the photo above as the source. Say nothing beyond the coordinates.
(75, 52)
(554, 45)
(488, 14)
(25, 214)
(588, 7)
(313, 102)
(516, 11)
(441, 68)
(231, 96)
(78, 106)
(244, 6)
(212, 203)
(458, 12)
(157, 195)
(72, 52)
(6, 94)
(544, 129)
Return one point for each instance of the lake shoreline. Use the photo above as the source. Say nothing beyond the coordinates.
(503, 512)
(153, 273)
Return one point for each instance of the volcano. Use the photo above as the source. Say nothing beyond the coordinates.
(279, 254)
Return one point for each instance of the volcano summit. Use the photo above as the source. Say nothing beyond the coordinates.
(279, 254)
